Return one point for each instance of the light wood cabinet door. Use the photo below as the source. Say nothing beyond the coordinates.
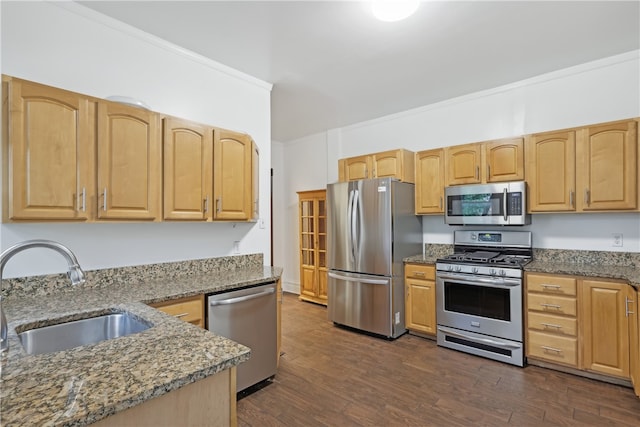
(232, 175)
(429, 186)
(634, 342)
(50, 153)
(255, 180)
(462, 163)
(188, 170)
(129, 162)
(605, 327)
(607, 169)
(189, 309)
(312, 217)
(395, 163)
(359, 167)
(550, 171)
(503, 160)
(420, 298)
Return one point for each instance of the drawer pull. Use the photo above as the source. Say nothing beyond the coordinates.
(555, 350)
(418, 273)
(554, 306)
(181, 315)
(548, 286)
(551, 325)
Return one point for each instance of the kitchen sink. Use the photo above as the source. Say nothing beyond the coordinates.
(76, 333)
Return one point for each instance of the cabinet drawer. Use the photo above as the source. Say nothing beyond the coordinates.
(425, 272)
(552, 347)
(188, 309)
(551, 284)
(553, 324)
(552, 304)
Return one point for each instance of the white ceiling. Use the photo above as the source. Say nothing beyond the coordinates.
(332, 64)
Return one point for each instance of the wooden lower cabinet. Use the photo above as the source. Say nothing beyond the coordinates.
(584, 323)
(190, 309)
(605, 327)
(420, 298)
(208, 402)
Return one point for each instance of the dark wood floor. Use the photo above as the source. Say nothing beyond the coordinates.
(330, 376)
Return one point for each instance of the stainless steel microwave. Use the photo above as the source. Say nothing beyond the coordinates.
(502, 203)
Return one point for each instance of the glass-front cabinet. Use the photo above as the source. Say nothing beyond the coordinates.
(313, 246)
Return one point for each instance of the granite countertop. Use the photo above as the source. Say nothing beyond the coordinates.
(85, 384)
(608, 265)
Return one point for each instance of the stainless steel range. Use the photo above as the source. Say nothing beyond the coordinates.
(479, 294)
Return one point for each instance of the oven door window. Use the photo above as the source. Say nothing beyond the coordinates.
(477, 300)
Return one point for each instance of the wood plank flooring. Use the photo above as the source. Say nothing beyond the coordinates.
(330, 376)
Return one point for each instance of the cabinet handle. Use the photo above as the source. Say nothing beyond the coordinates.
(555, 350)
(586, 196)
(206, 205)
(218, 201)
(418, 273)
(374, 172)
(571, 198)
(488, 171)
(83, 198)
(548, 286)
(551, 325)
(626, 306)
(477, 172)
(441, 202)
(545, 305)
(104, 200)
(181, 315)
(366, 172)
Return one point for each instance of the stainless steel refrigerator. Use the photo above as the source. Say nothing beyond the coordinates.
(372, 227)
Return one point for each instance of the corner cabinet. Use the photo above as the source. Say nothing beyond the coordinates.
(48, 152)
(312, 206)
(420, 298)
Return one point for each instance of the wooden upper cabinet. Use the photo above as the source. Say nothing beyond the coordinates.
(255, 180)
(462, 163)
(358, 168)
(188, 170)
(607, 170)
(129, 162)
(393, 163)
(49, 151)
(232, 175)
(503, 160)
(429, 186)
(550, 171)
(483, 162)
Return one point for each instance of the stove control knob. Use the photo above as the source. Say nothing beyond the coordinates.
(458, 268)
(474, 270)
(503, 273)
(492, 272)
(449, 268)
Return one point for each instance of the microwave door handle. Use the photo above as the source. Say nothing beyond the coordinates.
(504, 205)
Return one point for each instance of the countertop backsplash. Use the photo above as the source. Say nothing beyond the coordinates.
(99, 279)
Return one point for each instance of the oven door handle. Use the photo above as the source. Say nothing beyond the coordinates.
(488, 341)
(494, 282)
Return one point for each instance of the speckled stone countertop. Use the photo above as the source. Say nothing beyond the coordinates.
(610, 265)
(85, 384)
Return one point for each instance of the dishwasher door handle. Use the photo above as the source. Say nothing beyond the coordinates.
(242, 298)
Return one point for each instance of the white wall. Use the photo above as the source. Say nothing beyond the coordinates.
(66, 45)
(600, 91)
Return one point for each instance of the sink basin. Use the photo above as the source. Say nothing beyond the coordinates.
(64, 336)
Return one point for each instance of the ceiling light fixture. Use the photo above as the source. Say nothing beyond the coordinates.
(391, 11)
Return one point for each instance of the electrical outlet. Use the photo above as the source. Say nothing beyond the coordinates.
(236, 247)
(616, 239)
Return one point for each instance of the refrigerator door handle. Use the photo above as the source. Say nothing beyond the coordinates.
(353, 225)
(356, 228)
(360, 280)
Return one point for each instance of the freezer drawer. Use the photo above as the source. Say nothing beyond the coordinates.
(248, 316)
(361, 301)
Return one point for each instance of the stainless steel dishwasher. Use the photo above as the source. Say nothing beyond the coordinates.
(248, 316)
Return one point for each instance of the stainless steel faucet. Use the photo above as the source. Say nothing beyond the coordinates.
(75, 273)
